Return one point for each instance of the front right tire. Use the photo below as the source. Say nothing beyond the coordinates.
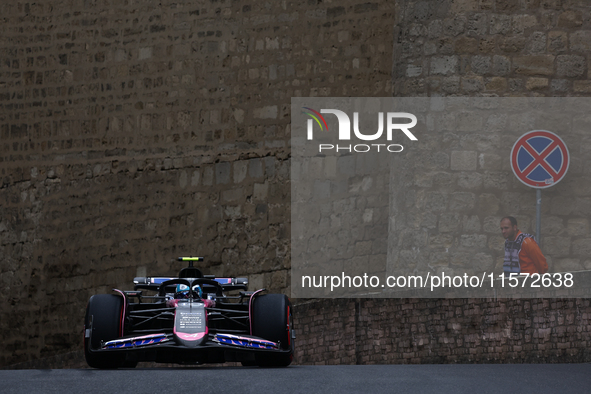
(105, 310)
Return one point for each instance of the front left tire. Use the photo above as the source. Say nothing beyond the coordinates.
(272, 319)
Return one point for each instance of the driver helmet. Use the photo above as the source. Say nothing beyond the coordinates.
(182, 291)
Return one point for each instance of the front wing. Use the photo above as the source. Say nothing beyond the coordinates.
(218, 348)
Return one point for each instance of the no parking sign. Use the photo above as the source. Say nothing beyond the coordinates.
(539, 159)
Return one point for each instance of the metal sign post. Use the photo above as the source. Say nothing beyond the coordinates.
(539, 159)
(539, 215)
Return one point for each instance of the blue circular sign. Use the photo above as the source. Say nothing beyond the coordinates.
(539, 159)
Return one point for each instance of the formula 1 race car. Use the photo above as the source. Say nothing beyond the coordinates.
(191, 319)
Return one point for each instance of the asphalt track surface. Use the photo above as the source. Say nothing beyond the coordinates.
(505, 378)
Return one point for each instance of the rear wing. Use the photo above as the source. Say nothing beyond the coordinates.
(153, 283)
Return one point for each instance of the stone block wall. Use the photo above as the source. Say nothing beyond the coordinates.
(455, 196)
(135, 132)
(453, 188)
(492, 48)
(131, 133)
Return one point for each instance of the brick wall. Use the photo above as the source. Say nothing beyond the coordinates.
(418, 331)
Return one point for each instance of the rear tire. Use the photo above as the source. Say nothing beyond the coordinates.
(105, 310)
(272, 320)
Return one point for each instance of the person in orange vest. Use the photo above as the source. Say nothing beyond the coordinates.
(522, 253)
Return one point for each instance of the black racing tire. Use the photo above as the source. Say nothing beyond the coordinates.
(272, 319)
(105, 310)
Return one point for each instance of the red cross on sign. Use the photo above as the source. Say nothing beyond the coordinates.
(539, 159)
